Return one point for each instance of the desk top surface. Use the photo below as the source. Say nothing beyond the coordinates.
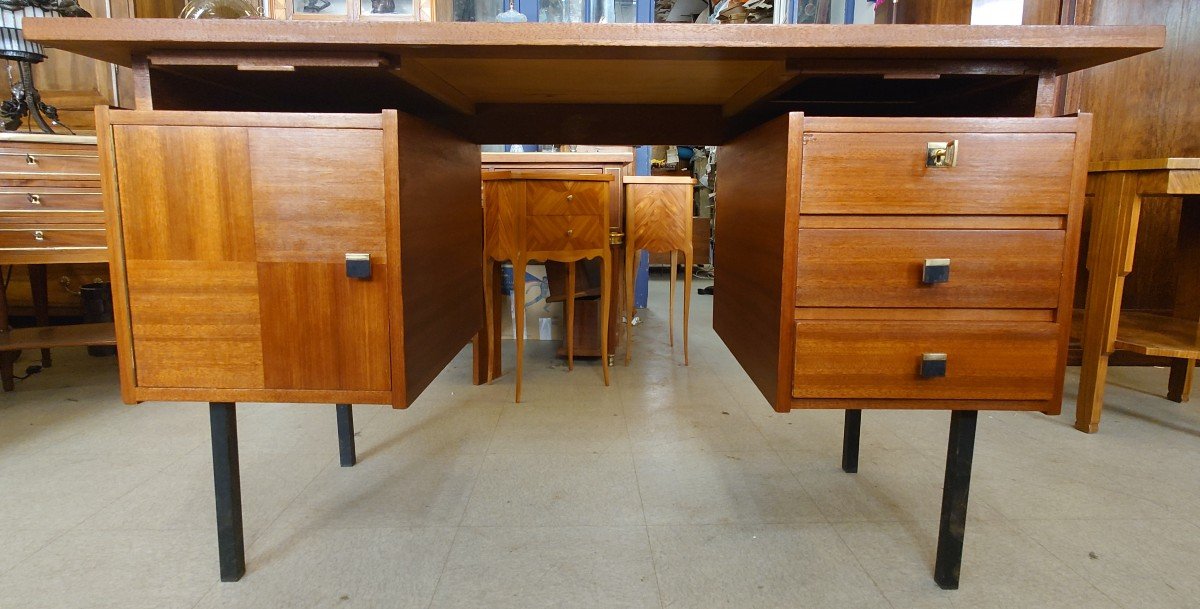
(497, 82)
(1069, 48)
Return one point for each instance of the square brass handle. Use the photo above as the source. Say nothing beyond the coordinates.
(933, 365)
(941, 154)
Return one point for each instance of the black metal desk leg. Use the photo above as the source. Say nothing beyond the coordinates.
(850, 441)
(345, 423)
(227, 483)
(959, 453)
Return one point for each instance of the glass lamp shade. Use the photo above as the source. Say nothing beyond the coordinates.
(12, 38)
(220, 9)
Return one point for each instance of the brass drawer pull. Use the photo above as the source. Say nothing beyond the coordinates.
(570, 232)
(933, 365)
(570, 197)
(31, 160)
(35, 199)
(936, 270)
(39, 235)
(941, 154)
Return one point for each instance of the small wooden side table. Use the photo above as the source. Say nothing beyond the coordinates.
(545, 216)
(1118, 188)
(658, 218)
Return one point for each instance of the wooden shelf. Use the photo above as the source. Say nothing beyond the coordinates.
(50, 337)
(1150, 334)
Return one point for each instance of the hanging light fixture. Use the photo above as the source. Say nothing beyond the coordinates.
(26, 101)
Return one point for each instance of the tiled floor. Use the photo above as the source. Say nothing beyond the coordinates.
(676, 487)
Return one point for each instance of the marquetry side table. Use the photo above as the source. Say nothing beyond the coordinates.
(658, 218)
(545, 216)
(1118, 188)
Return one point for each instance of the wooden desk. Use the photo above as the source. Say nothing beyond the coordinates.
(1118, 188)
(793, 178)
(50, 213)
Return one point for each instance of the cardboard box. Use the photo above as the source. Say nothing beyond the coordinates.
(543, 320)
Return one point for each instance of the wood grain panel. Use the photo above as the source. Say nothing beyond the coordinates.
(659, 216)
(756, 249)
(565, 198)
(882, 268)
(323, 330)
(440, 233)
(984, 361)
(185, 193)
(885, 173)
(318, 194)
(195, 323)
(501, 222)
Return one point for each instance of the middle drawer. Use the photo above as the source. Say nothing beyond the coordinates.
(993, 269)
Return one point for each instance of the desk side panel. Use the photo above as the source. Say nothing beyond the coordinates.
(756, 233)
(441, 240)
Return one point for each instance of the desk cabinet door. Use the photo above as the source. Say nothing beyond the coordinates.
(234, 242)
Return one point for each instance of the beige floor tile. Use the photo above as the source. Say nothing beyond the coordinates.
(1139, 563)
(20, 544)
(114, 570)
(550, 567)
(719, 429)
(310, 568)
(555, 490)
(310, 428)
(181, 496)
(561, 428)
(60, 490)
(445, 428)
(1001, 568)
(392, 489)
(721, 488)
(890, 485)
(759, 566)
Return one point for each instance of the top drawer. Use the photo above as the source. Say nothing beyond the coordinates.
(566, 198)
(881, 172)
(63, 165)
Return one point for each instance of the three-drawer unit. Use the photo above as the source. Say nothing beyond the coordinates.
(51, 209)
(530, 215)
(902, 263)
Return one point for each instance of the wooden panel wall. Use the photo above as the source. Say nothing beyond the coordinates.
(760, 206)
(1145, 107)
(441, 231)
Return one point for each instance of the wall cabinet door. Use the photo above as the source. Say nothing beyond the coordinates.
(235, 240)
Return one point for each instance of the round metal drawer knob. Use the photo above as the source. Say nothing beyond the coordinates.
(39, 235)
(570, 232)
(35, 199)
(570, 197)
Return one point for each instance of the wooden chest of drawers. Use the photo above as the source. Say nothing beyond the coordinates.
(50, 204)
(546, 216)
(902, 263)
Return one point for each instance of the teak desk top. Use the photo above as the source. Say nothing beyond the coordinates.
(493, 82)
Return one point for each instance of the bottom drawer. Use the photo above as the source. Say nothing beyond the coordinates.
(883, 360)
(52, 238)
